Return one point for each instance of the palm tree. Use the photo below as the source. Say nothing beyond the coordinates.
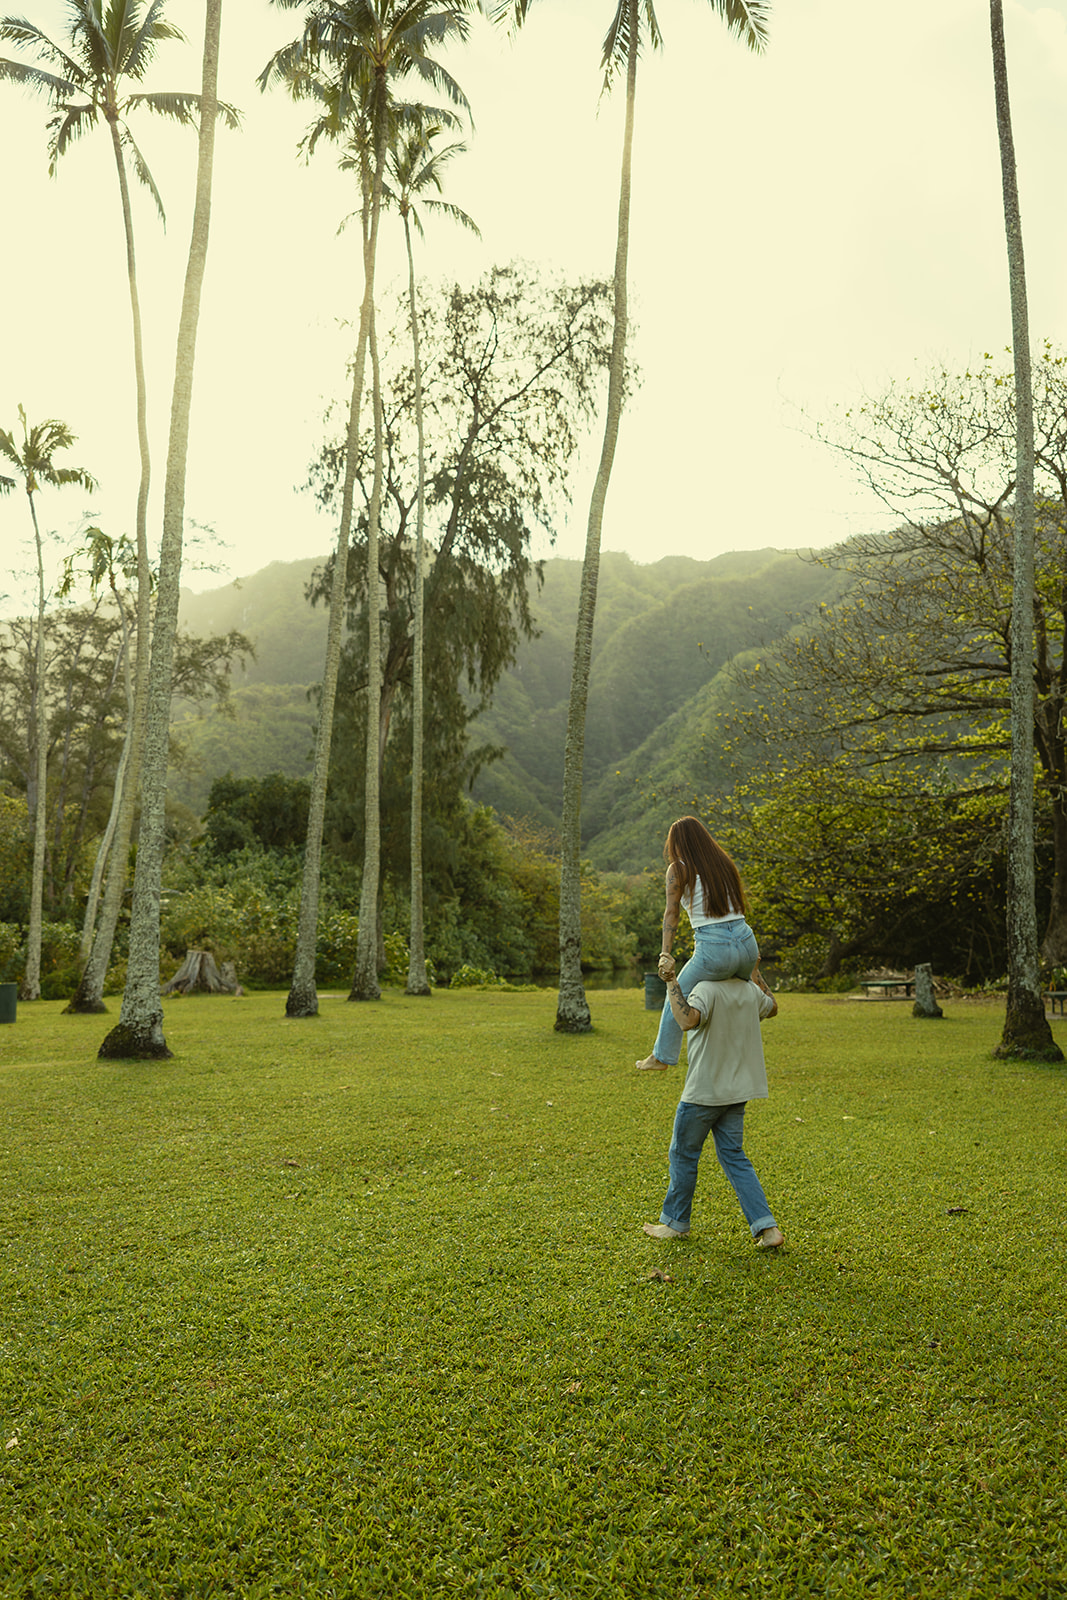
(414, 167)
(139, 1032)
(34, 463)
(109, 560)
(747, 19)
(348, 58)
(107, 48)
(1026, 1027)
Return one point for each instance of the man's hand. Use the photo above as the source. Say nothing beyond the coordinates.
(665, 967)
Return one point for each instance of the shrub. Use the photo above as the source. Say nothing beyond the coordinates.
(11, 963)
(115, 981)
(60, 943)
(474, 978)
(16, 856)
(246, 909)
(479, 978)
(335, 955)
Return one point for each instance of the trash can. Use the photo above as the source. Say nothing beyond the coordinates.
(9, 994)
(655, 991)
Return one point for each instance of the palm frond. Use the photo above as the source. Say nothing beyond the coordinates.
(351, 53)
(183, 108)
(454, 213)
(430, 169)
(616, 47)
(325, 127)
(7, 484)
(61, 477)
(503, 10)
(141, 168)
(433, 73)
(286, 65)
(40, 443)
(91, 34)
(437, 27)
(17, 31)
(415, 116)
(353, 216)
(152, 30)
(36, 78)
(68, 124)
(748, 20)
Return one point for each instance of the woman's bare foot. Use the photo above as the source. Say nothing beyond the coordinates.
(769, 1239)
(651, 1064)
(661, 1230)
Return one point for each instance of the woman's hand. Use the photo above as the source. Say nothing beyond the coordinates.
(665, 967)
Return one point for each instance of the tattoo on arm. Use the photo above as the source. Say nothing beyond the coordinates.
(687, 1017)
(672, 908)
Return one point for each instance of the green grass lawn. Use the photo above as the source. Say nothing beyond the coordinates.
(361, 1306)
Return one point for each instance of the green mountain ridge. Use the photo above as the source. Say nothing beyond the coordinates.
(665, 635)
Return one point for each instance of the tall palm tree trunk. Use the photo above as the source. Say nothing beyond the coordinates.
(365, 978)
(98, 937)
(365, 984)
(92, 901)
(417, 983)
(572, 1012)
(31, 980)
(103, 856)
(302, 1000)
(1026, 1027)
(139, 1033)
(144, 576)
(89, 993)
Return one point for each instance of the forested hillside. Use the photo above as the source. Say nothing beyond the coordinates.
(269, 725)
(664, 633)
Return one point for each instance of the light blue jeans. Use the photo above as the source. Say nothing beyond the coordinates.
(692, 1124)
(722, 950)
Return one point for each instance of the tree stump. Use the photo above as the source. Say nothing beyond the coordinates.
(198, 974)
(228, 973)
(925, 1003)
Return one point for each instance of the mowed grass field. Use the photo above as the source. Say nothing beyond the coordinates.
(361, 1306)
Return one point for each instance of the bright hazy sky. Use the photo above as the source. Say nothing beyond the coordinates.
(805, 225)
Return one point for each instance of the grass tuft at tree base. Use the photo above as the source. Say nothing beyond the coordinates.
(365, 1309)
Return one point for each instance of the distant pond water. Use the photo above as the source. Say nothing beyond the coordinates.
(621, 978)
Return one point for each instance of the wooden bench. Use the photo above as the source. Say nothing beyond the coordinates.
(907, 984)
(1057, 996)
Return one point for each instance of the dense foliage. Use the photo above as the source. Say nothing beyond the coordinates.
(848, 875)
(492, 895)
(866, 839)
(85, 657)
(872, 743)
(823, 846)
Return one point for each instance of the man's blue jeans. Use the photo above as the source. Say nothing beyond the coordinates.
(692, 1124)
(720, 950)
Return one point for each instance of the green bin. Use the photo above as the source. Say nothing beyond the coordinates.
(9, 994)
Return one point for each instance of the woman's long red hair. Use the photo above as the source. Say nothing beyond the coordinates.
(693, 853)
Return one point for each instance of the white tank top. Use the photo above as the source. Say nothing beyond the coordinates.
(694, 907)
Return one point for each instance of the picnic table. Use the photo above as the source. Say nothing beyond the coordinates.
(907, 984)
(1057, 996)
